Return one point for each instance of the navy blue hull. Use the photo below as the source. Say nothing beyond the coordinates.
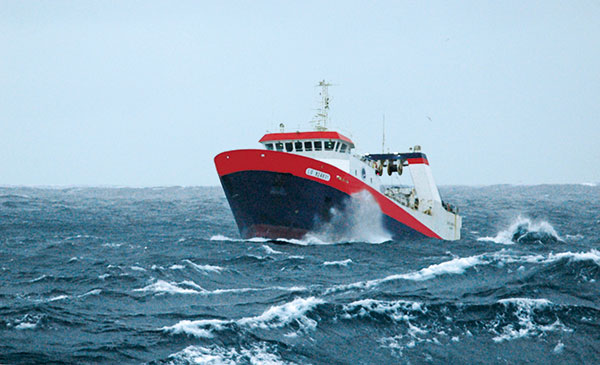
(279, 205)
(276, 205)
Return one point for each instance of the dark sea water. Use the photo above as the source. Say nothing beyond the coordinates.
(159, 275)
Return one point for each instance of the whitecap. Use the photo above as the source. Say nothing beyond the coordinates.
(26, 326)
(338, 263)
(257, 354)
(270, 251)
(397, 310)
(38, 278)
(275, 317)
(524, 309)
(198, 328)
(455, 266)
(204, 268)
(177, 267)
(161, 286)
(91, 292)
(59, 297)
(137, 268)
(559, 348)
(524, 230)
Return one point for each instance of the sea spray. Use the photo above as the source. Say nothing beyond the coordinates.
(358, 220)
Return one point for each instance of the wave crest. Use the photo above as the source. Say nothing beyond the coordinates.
(524, 230)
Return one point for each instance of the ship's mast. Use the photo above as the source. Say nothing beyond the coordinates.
(322, 117)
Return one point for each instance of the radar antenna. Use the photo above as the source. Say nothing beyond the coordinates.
(322, 117)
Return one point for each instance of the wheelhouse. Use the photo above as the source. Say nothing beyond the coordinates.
(331, 143)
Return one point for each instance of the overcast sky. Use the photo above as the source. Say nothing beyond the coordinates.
(146, 93)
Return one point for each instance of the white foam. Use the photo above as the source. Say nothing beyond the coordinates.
(26, 326)
(524, 311)
(455, 266)
(199, 328)
(338, 263)
(271, 251)
(177, 267)
(204, 268)
(257, 354)
(397, 310)
(161, 286)
(359, 220)
(281, 315)
(559, 348)
(137, 268)
(38, 278)
(91, 292)
(220, 237)
(275, 317)
(59, 297)
(506, 237)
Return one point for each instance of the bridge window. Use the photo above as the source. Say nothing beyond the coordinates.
(318, 146)
(269, 146)
(298, 146)
(343, 148)
(308, 146)
(289, 147)
(329, 145)
(279, 146)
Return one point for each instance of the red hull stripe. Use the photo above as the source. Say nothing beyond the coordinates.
(414, 161)
(307, 168)
(304, 135)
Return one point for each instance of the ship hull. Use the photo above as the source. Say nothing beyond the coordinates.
(281, 195)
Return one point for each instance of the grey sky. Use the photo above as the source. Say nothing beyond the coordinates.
(146, 93)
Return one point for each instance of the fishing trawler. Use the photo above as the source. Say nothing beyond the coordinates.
(290, 187)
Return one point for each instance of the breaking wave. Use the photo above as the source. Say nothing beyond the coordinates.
(459, 265)
(214, 354)
(524, 230)
(294, 312)
(190, 287)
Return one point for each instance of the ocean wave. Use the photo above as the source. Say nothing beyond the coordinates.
(271, 251)
(294, 312)
(161, 286)
(455, 266)
(27, 322)
(524, 230)
(396, 310)
(185, 287)
(338, 263)
(204, 268)
(459, 265)
(214, 354)
(525, 310)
